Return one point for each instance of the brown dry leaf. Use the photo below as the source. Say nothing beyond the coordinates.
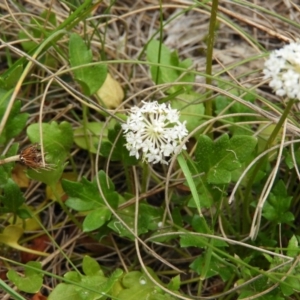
(19, 176)
(40, 243)
(38, 296)
(111, 92)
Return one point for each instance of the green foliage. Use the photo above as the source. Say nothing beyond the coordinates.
(183, 210)
(158, 53)
(115, 148)
(10, 79)
(12, 198)
(91, 285)
(57, 142)
(87, 136)
(277, 208)
(171, 70)
(84, 196)
(147, 220)
(90, 78)
(32, 280)
(6, 169)
(219, 158)
(137, 285)
(225, 103)
(16, 120)
(190, 109)
(37, 29)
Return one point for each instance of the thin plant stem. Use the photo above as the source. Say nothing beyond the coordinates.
(10, 159)
(262, 161)
(209, 54)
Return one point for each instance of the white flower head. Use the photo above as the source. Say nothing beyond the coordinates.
(154, 132)
(283, 68)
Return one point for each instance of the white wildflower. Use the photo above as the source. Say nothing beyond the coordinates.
(283, 68)
(154, 132)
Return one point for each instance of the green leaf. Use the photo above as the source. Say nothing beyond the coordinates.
(277, 207)
(84, 190)
(225, 102)
(57, 142)
(293, 247)
(90, 266)
(170, 59)
(198, 264)
(6, 169)
(190, 181)
(218, 176)
(175, 283)
(190, 109)
(147, 220)
(203, 153)
(290, 285)
(12, 197)
(16, 120)
(115, 148)
(39, 29)
(56, 137)
(96, 218)
(31, 282)
(10, 80)
(77, 203)
(88, 137)
(106, 184)
(65, 291)
(218, 159)
(90, 78)
(138, 286)
(208, 194)
(88, 287)
(85, 195)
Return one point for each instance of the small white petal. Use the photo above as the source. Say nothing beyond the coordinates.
(283, 68)
(154, 131)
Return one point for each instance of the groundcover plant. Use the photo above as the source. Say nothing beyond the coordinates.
(149, 150)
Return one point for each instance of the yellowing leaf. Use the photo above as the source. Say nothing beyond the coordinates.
(28, 224)
(59, 190)
(19, 176)
(111, 92)
(10, 237)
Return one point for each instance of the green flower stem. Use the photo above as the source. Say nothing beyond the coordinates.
(129, 180)
(209, 54)
(5, 287)
(261, 162)
(145, 177)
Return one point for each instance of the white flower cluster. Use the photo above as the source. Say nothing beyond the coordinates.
(283, 67)
(154, 131)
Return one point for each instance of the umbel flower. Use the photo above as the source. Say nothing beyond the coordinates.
(154, 132)
(283, 67)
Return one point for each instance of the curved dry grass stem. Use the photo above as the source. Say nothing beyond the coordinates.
(267, 188)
